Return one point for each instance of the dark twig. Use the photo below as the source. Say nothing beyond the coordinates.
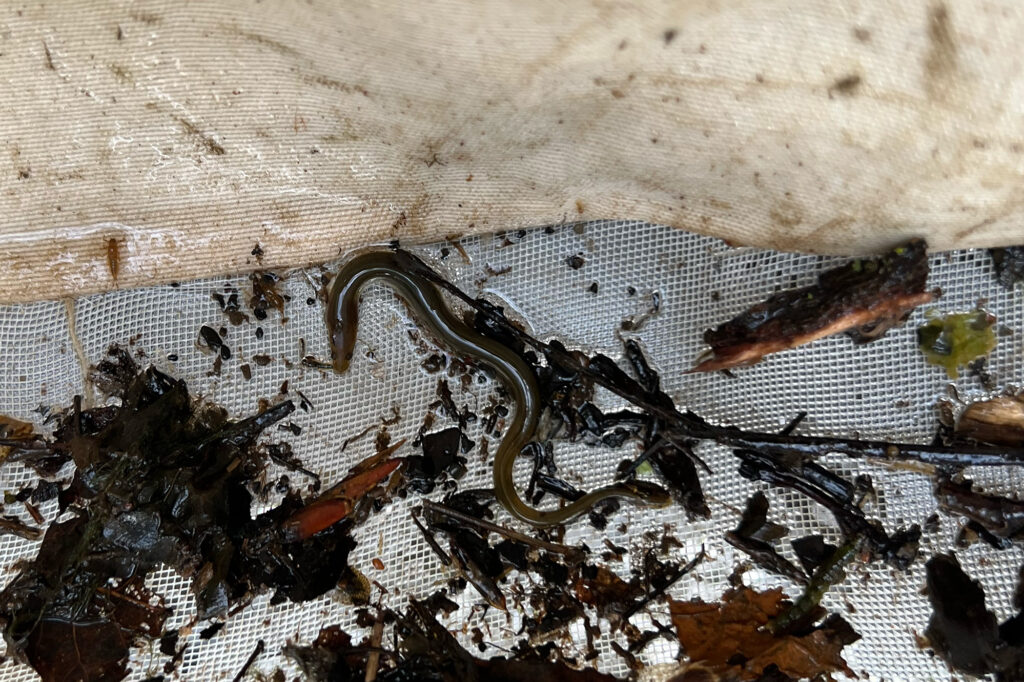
(441, 554)
(573, 553)
(22, 530)
(373, 659)
(260, 646)
(646, 638)
(793, 423)
(292, 464)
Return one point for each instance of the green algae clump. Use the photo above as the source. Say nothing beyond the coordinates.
(951, 341)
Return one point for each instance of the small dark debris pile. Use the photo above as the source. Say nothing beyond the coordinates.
(229, 303)
(425, 650)
(160, 480)
(1009, 265)
(569, 583)
(754, 536)
(444, 451)
(265, 295)
(839, 496)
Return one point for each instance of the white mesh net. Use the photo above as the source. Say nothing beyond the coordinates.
(882, 390)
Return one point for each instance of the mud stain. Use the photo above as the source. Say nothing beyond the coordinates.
(940, 63)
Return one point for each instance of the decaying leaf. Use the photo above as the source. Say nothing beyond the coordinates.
(63, 651)
(161, 480)
(730, 637)
(602, 589)
(93, 642)
(963, 631)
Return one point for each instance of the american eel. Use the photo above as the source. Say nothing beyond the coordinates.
(430, 310)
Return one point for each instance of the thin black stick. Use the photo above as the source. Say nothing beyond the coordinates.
(793, 423)
(260, 646)
(441, 554)
(571, 552)
(654, 594)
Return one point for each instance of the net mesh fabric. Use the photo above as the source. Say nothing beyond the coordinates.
(882, 390)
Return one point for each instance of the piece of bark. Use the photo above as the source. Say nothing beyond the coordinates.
(863, 299)
(999, 421)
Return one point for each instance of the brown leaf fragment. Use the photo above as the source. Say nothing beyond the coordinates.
(801, 657)
(12, 433)
(95, 644)
(133, 607)
(729, 637)
(607, 592)
(63, 651)
(15, 429)
(265, 294)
